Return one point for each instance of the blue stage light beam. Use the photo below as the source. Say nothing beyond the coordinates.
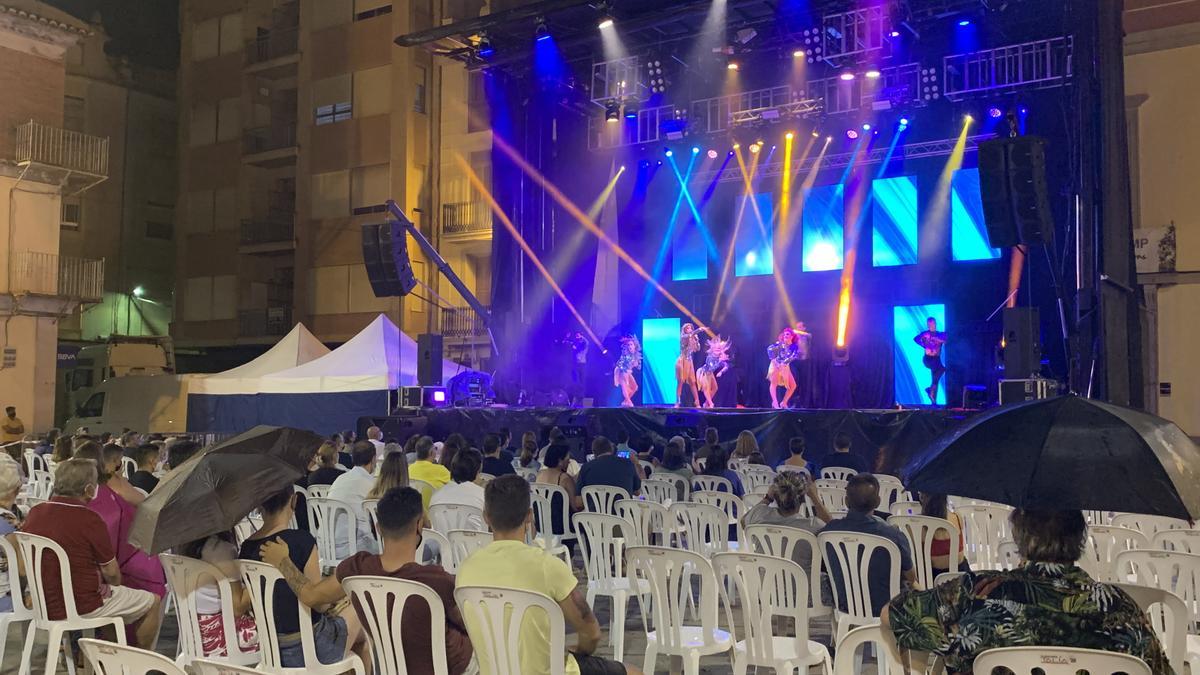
(822, 228)
(911, 375)
(660, 350)
(968, 233)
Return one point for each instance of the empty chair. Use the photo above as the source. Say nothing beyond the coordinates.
(712, 484)
(651, 522)
(335, 528)
(848, 557)
(847, 660)
(905, 508)
(1094, 517)
(1171, 571)
(601, 498)
(1184, 541)
(465, 542)
(669, 573)
(1149, 525)
(19, 612)
(435, 548)
(726, 501)
(187, 578)
(837, 473)
(382, 601)
(107, 658)
(890, 489)
(209, 667)
(494, 618)
(796, 545)
(830, 483)
(602, 542)
(446, 517)
(756, 476)
(834, 498)
(769, 587)
(984, 527)
(920, 531)
(1103, 544)
(1057, 661)
(664, 490)
(1169, 617)
(704, 528)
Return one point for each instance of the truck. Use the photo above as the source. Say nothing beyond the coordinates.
(146, 403)
(119, 356)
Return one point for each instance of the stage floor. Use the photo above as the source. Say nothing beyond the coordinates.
(887, 438)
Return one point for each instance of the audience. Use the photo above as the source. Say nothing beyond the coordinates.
(47, 444)
(10, 485)
(711, 442)
(393, 473)
(410, 448)
(554, 472)
(453, 443)
(375, 438)
(425, 469)
(796, 447)
(675, 465)
(746, 445)
(509, 562)
(556, 437)
(1048, 601)
(96, 580)
(608, 469)
(493, 462)
(717, 464)
(327, 471)
(220, 550)
(146, 457)
(529, 452)
(781, 506)
(401, 517)
(862, 498)
(937, 506)
(842, 457)
(181, 451)
(330, 630)
(341, 444)
(64, 449)
(463, 489)
(352, 488)
(507, 451)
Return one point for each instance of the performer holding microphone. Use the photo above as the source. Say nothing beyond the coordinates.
(779, 374)
(931, 341)
(685, 369)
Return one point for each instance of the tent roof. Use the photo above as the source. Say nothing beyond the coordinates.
(296, 348)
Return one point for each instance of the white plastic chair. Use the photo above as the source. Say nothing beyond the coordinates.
(847, 659)
(494, 617)
(920, 531)
(660, 491)
(1169, 617)
(682, 485)
(1103, 544)
(830, 483)
(530, 475)
(834, 498)
(1171, 571)
(782, 542)
(1097, 517)
(669, 572)
(1010, 555)
(705, 528)
(649, 521)
(260, 580)
(712, 484)
(446, 517)
(547, 498)
(210, 667)
(1149, 525)
(371, 508)
(444, 556)
(317, 491)
(485, 478)
(837, 473)
(426, 489)
(847, 557)
(1186, 541)
(128, 466)
(20, 612)
(984, 527)
(335, 527)
(769, 587)
(184, 577)
(41, 484)
(34, 550)
(108, 658)
(1058, 661)
(756, 476)
(601, 498)
(35, 462)
(890, 489)
(904, 508)
(728, 502)
(602, 542)
(381, 601)
(465, 542)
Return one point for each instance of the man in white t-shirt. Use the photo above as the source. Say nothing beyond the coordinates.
(352, 488)
(375, 436)
(462, 489)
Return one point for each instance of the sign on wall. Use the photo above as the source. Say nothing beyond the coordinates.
(1154, 249)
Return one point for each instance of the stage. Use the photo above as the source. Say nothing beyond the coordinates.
(887, 438)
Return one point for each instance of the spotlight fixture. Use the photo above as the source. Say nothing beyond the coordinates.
(733, 65)
(995, 113)
(968, 117)
(654, 76)
(846, 76)
(903, 121)
(736, 146)
(606, 21)
(816, 134)
(695, 150)
(1023, 110)
(612, 111)
(866, 126)
(631, 111)
(852, 134)
(964, 22)
(541, 31)
(712, 154)
(894, 34)
(798, 53)
(872, 74)
(670, 153)
(789, 135)
(755, 148)
(485, 50)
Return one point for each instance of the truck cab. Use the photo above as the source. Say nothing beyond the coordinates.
(120, 356)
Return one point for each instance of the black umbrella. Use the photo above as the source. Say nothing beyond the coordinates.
(1065, 453)
(221, 485)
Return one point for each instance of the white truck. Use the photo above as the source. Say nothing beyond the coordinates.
(120, 356)
(145, 403)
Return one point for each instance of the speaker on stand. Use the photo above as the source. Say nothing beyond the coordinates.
(429, 360)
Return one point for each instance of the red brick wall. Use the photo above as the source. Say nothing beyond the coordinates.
(33, 89)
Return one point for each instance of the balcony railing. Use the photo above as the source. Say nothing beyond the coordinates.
(466, 218)
(276, 44)
(269, 322)
(256, 232)
(462, 322)
(46, 146)
(61, 276)
(265, 139)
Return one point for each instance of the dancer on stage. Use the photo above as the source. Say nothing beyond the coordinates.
(779, 374)
(716, 362)
(685, 370)
(931, 341)
(629, 360)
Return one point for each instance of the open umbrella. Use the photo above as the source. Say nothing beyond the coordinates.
(1065, 453)
(217, 488)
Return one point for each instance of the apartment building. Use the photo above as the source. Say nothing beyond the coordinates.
(298, 121)
(41, 164)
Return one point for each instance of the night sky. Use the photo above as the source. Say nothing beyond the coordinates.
(145, 31)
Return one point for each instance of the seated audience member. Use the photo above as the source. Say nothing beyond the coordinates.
(326, 471)
(96, 580)
(717, 464)
(554, 471)
(711, 440)
(146, 457)
(375, 438)
(454, 442)
(796, 447)
(1047, 601)
(220, 550)
(401, 516)
(756, 458)
(606, 468)
(331, 632)
(425, 469)
(352, 488)
(507, 451)
(556, 437)
(842, 457)
(393, 473)
(781, 506)
(493, 462)
(10, 485)
(410, 448)
(64, 449)
(937, 506)
(463, 489)
(341, 446)
(674, 464)
(527, 459)
(511, 563)
(862, 498)
(181, 451)
(46, 445)
(746, 445)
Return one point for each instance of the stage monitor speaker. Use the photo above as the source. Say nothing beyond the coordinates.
(429, 360)
(385, 255)
(1012, 185)
(1022, 344)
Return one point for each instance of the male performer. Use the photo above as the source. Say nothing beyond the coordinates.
(802, 368)
(931, 341)
(577, 345)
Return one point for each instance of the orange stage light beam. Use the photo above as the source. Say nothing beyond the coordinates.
(1015, 267)
(850, 248)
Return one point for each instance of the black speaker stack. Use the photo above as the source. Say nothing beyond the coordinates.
(385, 255)
(1012, 185)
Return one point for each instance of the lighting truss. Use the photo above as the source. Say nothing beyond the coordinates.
(802, 108)
(617, 79)
(647, 129)
(856, 32)
(1028, 65)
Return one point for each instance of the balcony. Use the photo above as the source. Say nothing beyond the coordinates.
(50, 275)
(274, 54)
(466, 219)
(270, 147)
(267, 236)
(260, 323)
(75, 160)
(463, 323)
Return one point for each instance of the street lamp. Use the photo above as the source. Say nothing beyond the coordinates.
(139, 291)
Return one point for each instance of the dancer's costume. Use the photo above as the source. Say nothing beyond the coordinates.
(781, 356)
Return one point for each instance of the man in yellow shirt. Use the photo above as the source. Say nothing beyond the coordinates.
(424, 468)
(511, 563)
(12, 428)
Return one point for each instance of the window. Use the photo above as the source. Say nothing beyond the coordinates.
(210, 298)
(332, 99)
(477, 115)
(367, 9)
(73, 113)
(220, 35)
(331, 13)
(331, 194)
(72, 213)
(203, 127)
(93, 407)
(373, 91)
(226, 214)
(419, 91)
(229, 119)
(369, 188)
(230, 34)
(159, 230)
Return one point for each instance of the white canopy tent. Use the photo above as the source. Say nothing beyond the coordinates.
(295, 349)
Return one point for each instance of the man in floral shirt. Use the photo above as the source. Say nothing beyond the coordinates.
(1047, 601)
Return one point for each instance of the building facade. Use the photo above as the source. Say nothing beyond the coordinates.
(298, 121)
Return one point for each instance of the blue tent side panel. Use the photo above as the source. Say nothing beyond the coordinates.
(221, 413)
(322, 413)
